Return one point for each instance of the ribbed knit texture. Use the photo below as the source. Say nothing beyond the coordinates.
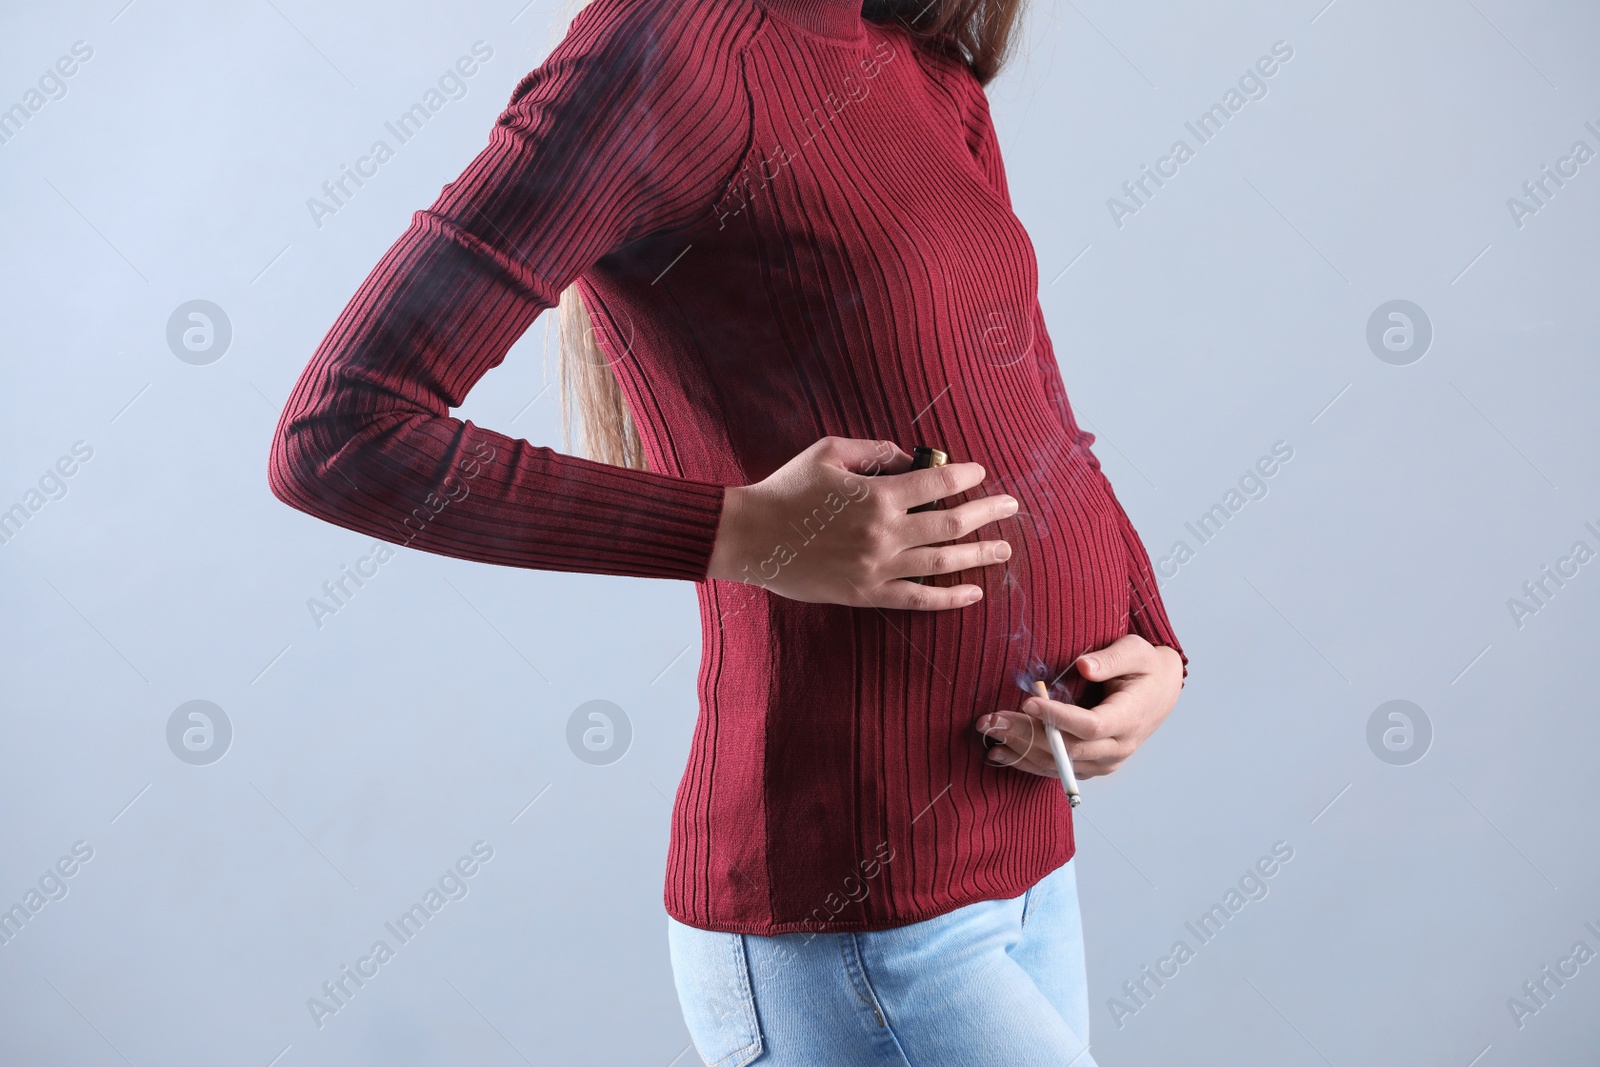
(787, 223)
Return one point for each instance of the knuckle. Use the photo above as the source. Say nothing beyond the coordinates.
(882, 539)
(879, 510)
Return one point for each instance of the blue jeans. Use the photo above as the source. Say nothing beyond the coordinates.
(999, 981)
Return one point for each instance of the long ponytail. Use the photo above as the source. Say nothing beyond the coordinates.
(978, 32)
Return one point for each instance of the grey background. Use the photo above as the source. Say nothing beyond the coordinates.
(368, 755)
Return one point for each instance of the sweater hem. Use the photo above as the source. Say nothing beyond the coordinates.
(806, 926)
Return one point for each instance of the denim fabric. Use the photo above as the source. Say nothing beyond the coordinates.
(996, 982)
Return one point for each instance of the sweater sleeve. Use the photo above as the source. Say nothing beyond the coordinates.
(1147, 613)
(631, 127)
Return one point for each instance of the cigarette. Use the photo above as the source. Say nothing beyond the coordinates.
(1058, 749)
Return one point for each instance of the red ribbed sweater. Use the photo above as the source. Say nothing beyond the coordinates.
(786, 222)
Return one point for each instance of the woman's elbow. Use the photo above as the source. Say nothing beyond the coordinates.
(292, 474)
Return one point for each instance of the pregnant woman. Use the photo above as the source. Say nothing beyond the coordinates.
(788, 224)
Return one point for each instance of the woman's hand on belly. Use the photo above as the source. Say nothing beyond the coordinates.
(821, 529)
(1141, 681)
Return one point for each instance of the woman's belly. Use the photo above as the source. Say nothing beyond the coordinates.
(1063, 592)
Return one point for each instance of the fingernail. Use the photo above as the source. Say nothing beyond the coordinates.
(974, 596)
(1091, 663)
(1002, 551)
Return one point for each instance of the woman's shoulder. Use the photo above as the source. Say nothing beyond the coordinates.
(953, 82)
(683, 27)
(941, 57)
(672, 55)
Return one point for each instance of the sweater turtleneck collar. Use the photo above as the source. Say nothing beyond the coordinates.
(840, 19)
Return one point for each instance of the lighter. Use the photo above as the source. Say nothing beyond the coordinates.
(924, 458)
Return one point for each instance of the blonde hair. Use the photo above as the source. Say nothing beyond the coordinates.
(586, 376)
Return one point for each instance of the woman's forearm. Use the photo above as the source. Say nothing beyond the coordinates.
(442, 485)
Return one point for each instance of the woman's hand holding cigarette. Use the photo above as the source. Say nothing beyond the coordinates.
(1141, 683)
(819, 529)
